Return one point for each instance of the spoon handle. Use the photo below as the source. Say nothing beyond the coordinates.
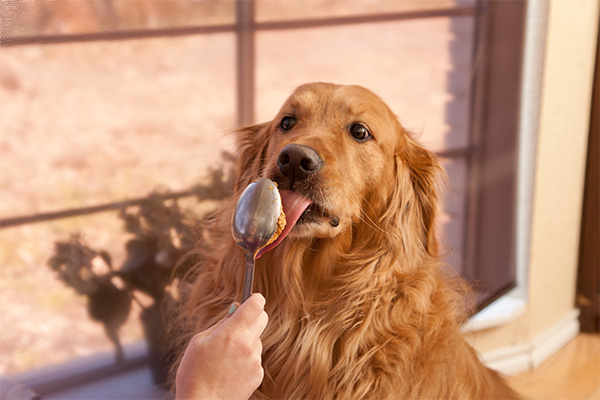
(248, 277)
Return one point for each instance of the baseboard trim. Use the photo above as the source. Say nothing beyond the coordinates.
(511, 360)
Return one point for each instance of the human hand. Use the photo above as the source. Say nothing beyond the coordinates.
(224, 361)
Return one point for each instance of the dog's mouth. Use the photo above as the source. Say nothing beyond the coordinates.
(299, 210)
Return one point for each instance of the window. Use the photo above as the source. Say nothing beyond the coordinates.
(103, 101)
(489, 252)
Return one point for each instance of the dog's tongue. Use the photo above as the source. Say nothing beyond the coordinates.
(293, 207)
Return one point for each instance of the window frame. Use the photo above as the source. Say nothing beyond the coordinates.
(495, 117)
(495, 108)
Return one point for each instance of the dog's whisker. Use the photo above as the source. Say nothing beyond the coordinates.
(372, 223)
(363, 216)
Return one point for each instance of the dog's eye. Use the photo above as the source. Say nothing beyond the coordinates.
(287, 123)
(360, 132)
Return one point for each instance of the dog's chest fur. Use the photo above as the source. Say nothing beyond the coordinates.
(337, 330)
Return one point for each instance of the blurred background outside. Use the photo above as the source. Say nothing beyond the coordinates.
(84, 122)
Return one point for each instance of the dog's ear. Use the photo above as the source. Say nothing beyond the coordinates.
(415, 196)
(252, 144)
(425, 172)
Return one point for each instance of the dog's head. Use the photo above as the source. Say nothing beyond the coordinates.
(340, 158)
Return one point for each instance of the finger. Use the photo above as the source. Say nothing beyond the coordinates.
(259, 325)
(248, 312)
(258, 348)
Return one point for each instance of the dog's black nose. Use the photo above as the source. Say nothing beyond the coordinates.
(297, 162)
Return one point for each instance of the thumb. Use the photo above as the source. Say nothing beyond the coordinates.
(210, 330)
(232, 309)
(207, 332)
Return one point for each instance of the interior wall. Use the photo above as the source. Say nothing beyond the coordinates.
(570, 44)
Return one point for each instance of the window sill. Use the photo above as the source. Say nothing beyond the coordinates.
(132, 384)
(502, 311)
(95, 376)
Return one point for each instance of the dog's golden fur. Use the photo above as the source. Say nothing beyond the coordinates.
(361, 308)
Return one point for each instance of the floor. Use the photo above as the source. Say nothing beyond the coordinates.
(572, 373)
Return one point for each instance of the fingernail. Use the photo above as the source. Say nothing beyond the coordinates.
(232, 309)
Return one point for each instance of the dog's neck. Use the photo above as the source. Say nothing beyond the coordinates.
(314, 259)
(312, 272)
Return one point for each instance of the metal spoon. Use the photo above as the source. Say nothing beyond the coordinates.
(255, 222)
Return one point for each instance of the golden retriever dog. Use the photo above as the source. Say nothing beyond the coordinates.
(359, 304)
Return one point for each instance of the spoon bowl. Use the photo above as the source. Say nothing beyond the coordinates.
(255, 222)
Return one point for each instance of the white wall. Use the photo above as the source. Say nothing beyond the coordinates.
(549, 249)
